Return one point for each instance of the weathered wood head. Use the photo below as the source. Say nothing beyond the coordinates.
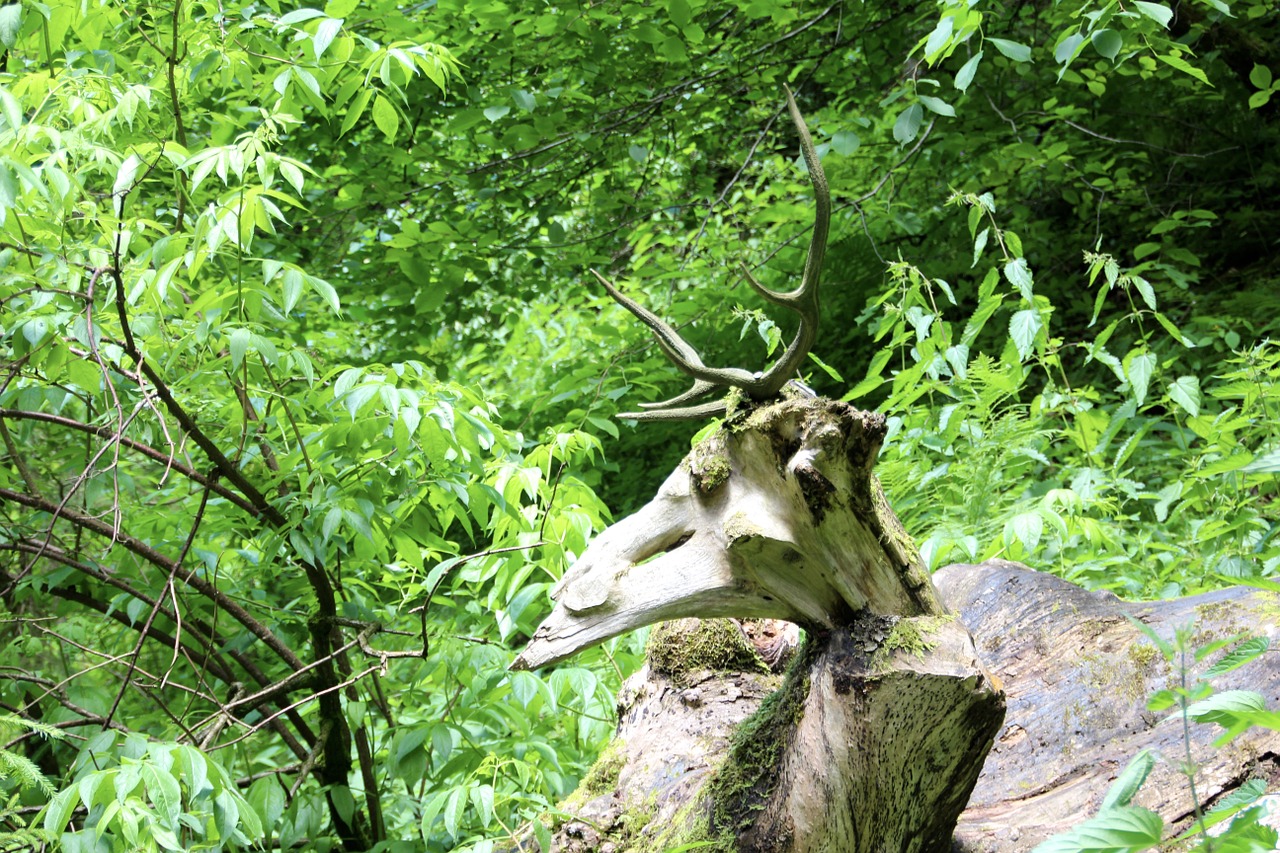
(775, 515)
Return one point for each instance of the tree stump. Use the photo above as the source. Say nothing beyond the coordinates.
(878, 734)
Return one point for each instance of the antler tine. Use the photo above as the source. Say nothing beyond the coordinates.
(699, 389)
(677, 349)
(803, 300)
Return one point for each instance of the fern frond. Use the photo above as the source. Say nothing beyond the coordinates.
(23, 771)
(10, 723)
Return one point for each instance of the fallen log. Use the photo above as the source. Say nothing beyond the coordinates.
(1076, 673)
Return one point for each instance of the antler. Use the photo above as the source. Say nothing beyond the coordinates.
(803, 300)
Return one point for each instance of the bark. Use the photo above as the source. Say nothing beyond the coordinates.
(1076, 673)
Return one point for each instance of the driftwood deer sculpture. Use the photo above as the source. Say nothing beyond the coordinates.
(876, 738)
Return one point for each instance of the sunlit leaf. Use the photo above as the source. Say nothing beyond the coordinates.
(1012, 49)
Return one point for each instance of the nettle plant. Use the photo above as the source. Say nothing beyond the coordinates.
(1140, 457)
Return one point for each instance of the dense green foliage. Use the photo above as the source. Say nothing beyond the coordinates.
(307, 398)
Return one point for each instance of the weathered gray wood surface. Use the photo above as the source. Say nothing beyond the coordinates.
(1076, 674)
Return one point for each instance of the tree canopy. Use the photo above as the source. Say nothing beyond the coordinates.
(308, 396)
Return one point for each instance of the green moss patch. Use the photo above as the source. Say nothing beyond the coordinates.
(695, 645)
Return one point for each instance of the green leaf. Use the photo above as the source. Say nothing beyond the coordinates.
(1223, 707)
(299, 16)
(1146, 290)
(1012, 49)
(1122, 791)
(58, 813)
(986, 308)
(679, 12)
(292, 288)
(164, 791)
(34, 330)
(125, 177)
(967, 71)
(1185, 391)
(939, 38)
(332, 518)
(343, 801)
(482, 799)
(907, 126)
(441, 742)
(1173, 60)
(1023, 328)
(10, 24)
(11, 109)
(325, 34)
(340, 8)
(673, 50)
(845, 142)
(958, 358)
(1260, 77)
(1174, 331)
(430, 810)
(386, 117)
(523, 100)
(826, 368)
(1118, 830)
(937, 105)
(1026, 528)
(1247, 652)
(1019, 275)
(543, 836)
(1140, 365)
(326, 291)
(1107, 42)
(1157, 12)
(638, 153)
(238, 343)
(1226, 465)
(9, 189)
(1068, 48)
(454, 809)
(1265, 463)
(355, 111)
(495, 113)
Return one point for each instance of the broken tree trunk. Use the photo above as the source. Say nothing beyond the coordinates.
(1077, 673)
(877, 738)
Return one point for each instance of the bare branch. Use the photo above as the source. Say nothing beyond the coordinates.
(146, 450)
(159, 560)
